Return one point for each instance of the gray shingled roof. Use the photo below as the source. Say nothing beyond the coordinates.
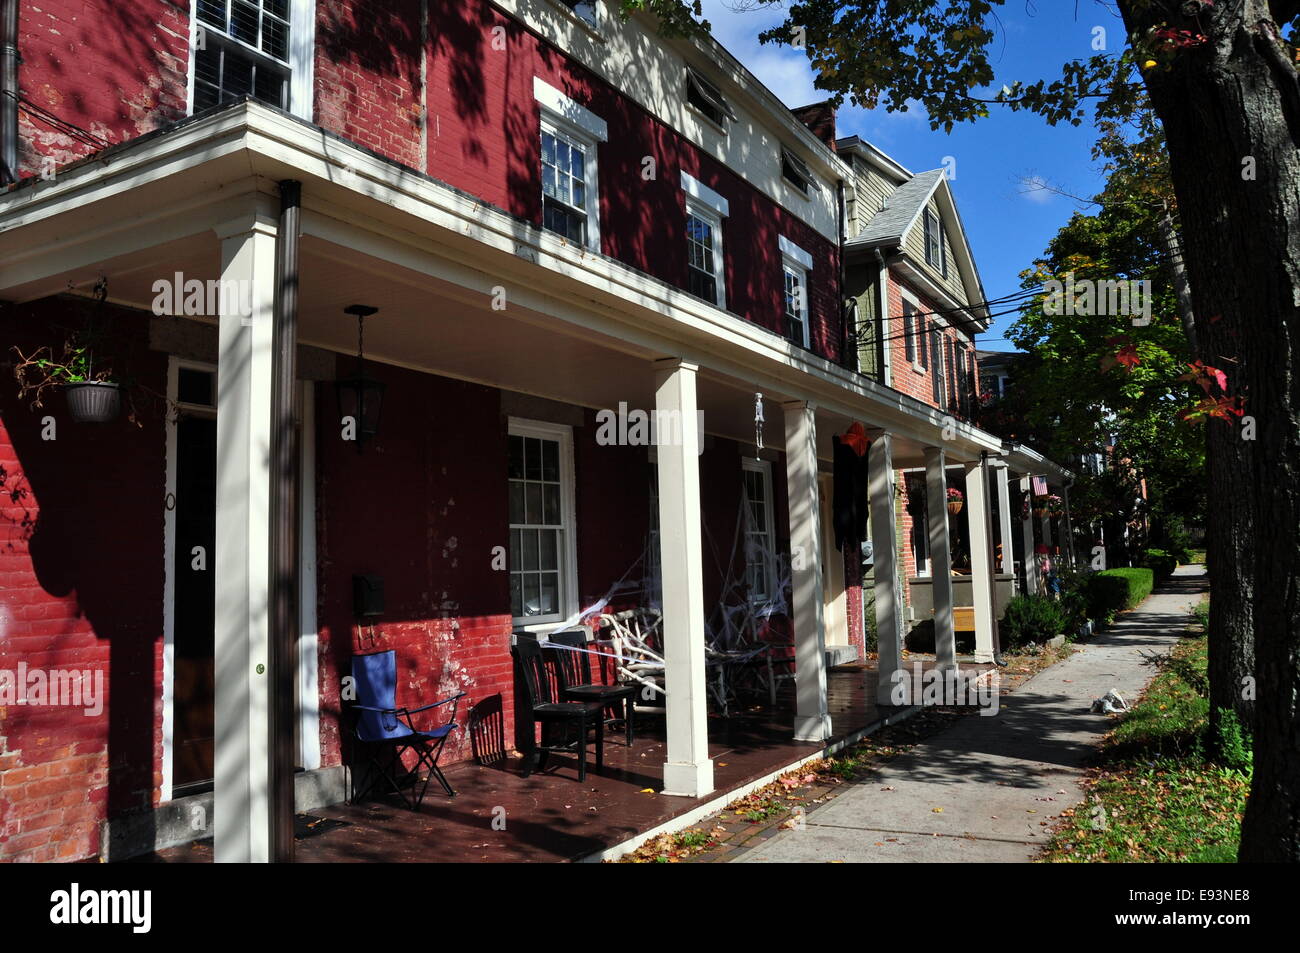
(905, 201)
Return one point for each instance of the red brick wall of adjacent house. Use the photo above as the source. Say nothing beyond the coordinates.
(905, 377)
(81, 583)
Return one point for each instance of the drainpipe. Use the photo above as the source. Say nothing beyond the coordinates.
(9, 60)
(283, 518)
(848, 334)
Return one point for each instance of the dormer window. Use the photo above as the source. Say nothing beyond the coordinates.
(704, 96)
(795, 171)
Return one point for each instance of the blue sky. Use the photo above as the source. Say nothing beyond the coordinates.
(1007, 224)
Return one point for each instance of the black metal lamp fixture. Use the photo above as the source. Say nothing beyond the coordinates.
(361, 397)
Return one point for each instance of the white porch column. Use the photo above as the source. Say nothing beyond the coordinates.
(1027, 538)
(812, 720)
(241, 787)
(981, 562)
(1000, 477)
(936, 491)
(884, 564)
(688, 771)
(1047, 531)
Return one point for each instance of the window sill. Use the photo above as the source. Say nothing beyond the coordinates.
(705, 119)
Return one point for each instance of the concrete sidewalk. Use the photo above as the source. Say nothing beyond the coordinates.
(989, 788)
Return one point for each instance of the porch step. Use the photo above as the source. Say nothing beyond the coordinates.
(840, 655)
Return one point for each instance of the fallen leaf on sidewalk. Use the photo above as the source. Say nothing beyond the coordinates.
(937, 810)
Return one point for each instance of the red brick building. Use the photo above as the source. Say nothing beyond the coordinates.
(556, 214)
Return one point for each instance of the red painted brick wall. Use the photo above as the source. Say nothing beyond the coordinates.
(113, 68)
(120, 70)
(422, 507)
(81, 583)
(484, 138)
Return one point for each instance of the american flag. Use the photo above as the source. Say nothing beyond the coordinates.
(1040, 486)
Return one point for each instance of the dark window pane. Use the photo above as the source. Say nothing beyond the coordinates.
(275, 38)
(550, 460)
(701, 285)
(194, 386)
(243, 22)
(213, 12)
(532, 458)
(515, 467)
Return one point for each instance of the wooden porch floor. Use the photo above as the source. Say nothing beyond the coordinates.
(550, 817)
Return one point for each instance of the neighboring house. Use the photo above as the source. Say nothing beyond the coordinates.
(995, 372)
(557, 214)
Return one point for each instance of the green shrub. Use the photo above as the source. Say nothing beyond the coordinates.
(1229, 741)
(1111, 591)
(1160, 561)
(1201, 615)
(1031, 620)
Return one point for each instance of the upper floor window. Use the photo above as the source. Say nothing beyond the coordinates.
(569, 135)
(795, 265)
(909, 331)
(795, 171)
(584, 10)
(936, 254)
(564, 184)
(704, 256)
(706, 97)
(255, 48)
(705, 210)
(937, 381)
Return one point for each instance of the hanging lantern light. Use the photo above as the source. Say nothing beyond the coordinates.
(361, 397)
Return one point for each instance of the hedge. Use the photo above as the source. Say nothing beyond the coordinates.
(1160, 561)
(1111, 591)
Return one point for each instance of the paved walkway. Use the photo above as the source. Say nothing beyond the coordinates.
(989, 788)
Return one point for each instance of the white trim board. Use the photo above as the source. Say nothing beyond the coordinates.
(570, 111)
(705, 195)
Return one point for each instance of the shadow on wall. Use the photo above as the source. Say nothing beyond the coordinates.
(83, 515)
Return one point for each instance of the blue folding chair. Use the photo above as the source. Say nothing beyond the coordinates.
(382, 726)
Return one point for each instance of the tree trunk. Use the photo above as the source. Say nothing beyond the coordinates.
(1231, 107)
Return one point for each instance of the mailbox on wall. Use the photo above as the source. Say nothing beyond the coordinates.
(367, 596)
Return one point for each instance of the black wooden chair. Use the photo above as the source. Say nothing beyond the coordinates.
(571, 658)
(542, 699)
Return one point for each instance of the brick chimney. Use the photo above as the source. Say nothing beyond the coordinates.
(820, 118)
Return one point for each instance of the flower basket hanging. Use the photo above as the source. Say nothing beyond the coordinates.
(955, 501)
(93, 402)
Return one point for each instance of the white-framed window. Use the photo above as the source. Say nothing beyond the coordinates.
(796, 264)
(257, 48)
(917, 330)
(708, 100)
(705, 210)
(570, 134)
(936, 255)
(760, 531)
(543, 554)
